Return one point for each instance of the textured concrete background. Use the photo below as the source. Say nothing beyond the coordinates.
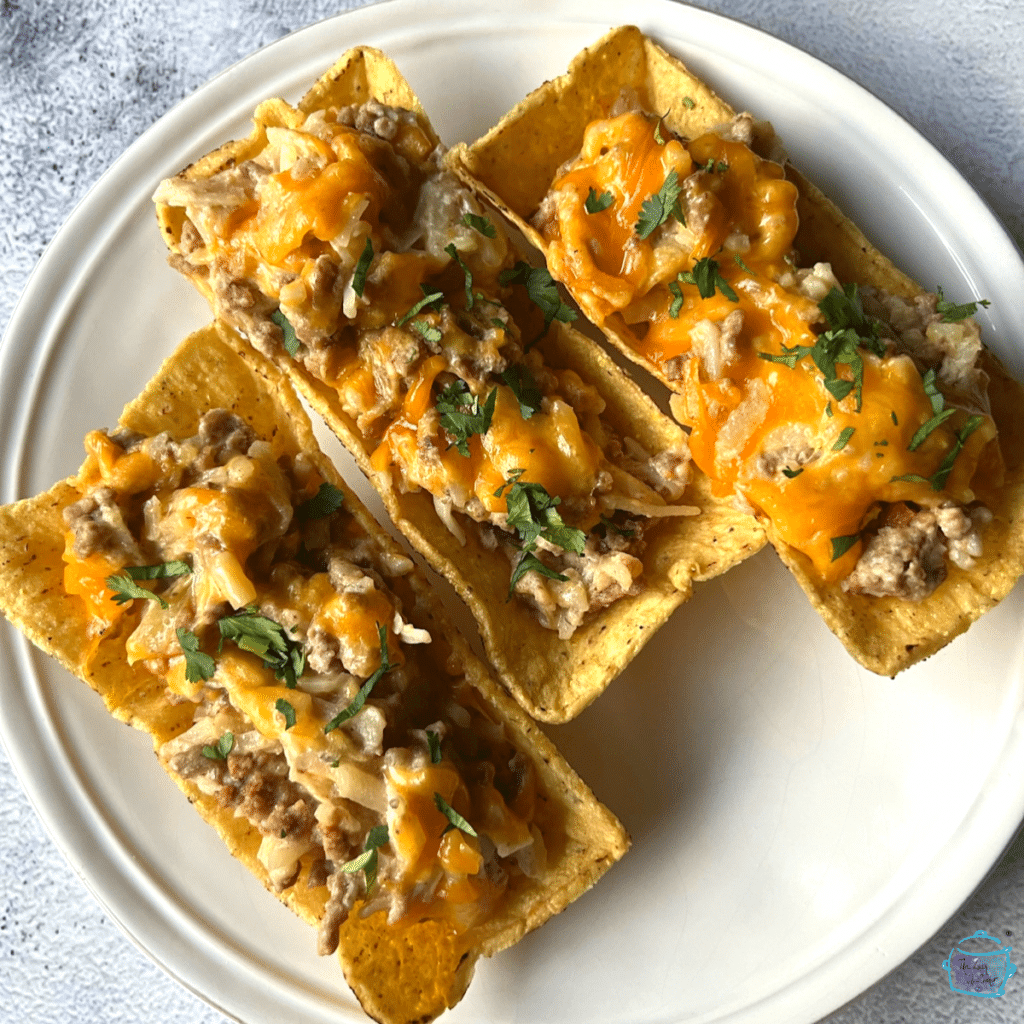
(80, 79)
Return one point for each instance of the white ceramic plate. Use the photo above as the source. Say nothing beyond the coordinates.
(799, 825)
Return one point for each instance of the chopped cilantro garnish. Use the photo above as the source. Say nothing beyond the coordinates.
(499, 323)
(607, 524)
(467, 273)
(739, 262)
(840, 545)
(431, 299)
(519, 378)
(291, 342)
(462, 416)
(268, 640)
(434, 743)
(844, 438)
(688, 102)
(791, 473)
(199, 666)
(367, 860)
(125, 589)
(357, 702)
(224, 747)
(707, 276)
(159, 571)
(951, 313)
(427, 331)
(677, 300)
(895, 421)
(850, 330)
(362, 267)
(942, 414)
(533, 513)
(455, 819)
(595, 203)
(541, 289)
(661, 205)
(328, 499)
(287, 711)
(941, 475)
(531, 563)
(938, 479)
(481, 224)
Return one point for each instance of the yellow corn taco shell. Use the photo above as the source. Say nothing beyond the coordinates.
(408, 971)
(514, 165)
(553, 678)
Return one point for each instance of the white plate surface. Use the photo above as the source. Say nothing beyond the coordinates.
(800, 826)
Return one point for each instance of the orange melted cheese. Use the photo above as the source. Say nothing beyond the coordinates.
(752, 406)
(550, 448)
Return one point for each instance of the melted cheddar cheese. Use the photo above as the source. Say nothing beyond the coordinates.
(764, 424)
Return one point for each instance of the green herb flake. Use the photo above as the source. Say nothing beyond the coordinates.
(362, 268)
(542, 291)
(427, 331)
(287, 711)
(159, 571)
(844, 438)
(327, 500)
(939, 478)
(224, 747)
(434, 743)
(431, 300)
(707, 276)
(268, 640)
(895, 420)
(533, 513)
(595, 203)
(466, 272)
(791, 473)
(357, 702)
(531, 563)
(125, 589)
(455, 819)
(950, 313)
(199, 666)
(367, 861)
(291, 342)
(941, 414)
(609, 524)
(742, 265)
(524, 386)
(462, 416)
(657, 209)
(677, 300)
(688, 102)
(481, 224)
(840, 545)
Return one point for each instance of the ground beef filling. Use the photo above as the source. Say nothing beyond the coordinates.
(909, 560)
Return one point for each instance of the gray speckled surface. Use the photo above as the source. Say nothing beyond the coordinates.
(80, 80)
